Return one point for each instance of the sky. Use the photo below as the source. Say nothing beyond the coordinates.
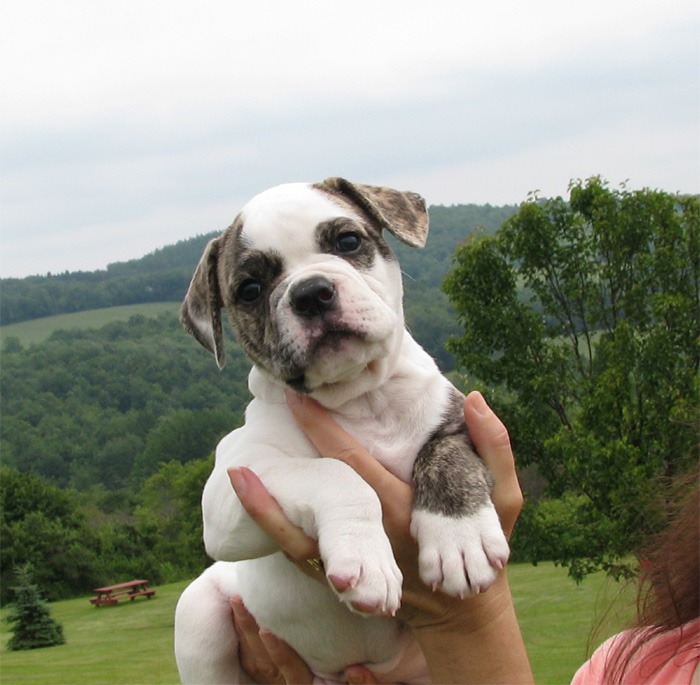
(127, 126)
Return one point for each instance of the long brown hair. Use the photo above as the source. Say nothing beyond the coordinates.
(669, 584)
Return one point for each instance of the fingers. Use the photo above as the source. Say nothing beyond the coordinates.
(488, 433)
(264, 657)
(359, 675)
(267, 513)
(492, 442)
(290, 665)
(252, 653)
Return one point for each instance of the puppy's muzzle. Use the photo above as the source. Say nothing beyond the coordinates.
(313, 297)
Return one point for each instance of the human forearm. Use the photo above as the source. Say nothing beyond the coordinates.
(482, 645)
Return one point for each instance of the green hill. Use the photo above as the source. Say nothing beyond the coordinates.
(38, 330)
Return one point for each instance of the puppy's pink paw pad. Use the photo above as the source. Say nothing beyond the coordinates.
(364, 608)
(341, 584)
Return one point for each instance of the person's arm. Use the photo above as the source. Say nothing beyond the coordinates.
(479, 642)
(475, 640)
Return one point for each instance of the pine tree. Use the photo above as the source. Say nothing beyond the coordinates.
(32, 624)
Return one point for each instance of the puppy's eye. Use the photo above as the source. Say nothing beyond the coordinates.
(249, 291)
(348, 242)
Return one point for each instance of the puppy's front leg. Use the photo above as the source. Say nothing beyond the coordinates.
(332, 504)
(461, 543)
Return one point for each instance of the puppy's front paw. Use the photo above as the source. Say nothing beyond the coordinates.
(459, 555)
(362, 569)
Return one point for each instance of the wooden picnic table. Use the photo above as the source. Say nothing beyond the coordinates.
(113, 593)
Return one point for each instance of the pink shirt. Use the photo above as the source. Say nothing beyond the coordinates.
(668, 659)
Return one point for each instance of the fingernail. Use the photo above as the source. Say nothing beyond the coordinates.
(479, 403)
(238, 481)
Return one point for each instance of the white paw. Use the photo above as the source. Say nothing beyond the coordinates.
(361, 568)
(460, 556)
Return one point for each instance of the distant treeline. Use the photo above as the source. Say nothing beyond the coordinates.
(165, 274)
(159, 277)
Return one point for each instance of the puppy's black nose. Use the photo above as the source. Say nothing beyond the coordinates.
(313, 297)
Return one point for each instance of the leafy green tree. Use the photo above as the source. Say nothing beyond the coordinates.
(170, 512)
(31, 623)
(41, 525)
(184, 436)
(583, 314)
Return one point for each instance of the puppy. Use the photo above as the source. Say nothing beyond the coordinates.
(314, 297)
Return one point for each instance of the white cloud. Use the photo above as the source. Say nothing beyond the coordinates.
(157, 63)
(620, 153)
(142, 119)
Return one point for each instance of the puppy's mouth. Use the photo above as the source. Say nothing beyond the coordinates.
(332, 339)
(327, 351)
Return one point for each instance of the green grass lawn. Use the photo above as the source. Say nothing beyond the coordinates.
(37, 330)
(131, 643)
(562, 622)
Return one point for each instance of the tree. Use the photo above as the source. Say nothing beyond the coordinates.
(170, 512)
(184, 436)
(41, 525)
(30, 618)
(584, 316)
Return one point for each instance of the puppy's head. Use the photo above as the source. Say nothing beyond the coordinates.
(312, 289)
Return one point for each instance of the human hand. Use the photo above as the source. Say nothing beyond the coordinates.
(470, 632)
(491, 440)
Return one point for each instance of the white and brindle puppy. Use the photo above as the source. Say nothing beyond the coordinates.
(314, 296)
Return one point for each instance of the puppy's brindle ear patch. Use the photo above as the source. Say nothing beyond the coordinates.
(403, 214)
(201, 310)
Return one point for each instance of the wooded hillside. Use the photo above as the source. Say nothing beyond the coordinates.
(106, 406)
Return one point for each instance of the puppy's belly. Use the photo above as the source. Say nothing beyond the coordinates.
(306, 614)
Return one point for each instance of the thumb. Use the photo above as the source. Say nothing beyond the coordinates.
(492, 442)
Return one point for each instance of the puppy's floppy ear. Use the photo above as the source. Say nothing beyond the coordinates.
(201, 311)
(403, 214)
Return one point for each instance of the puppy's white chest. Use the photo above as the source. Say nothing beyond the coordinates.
(397, 452)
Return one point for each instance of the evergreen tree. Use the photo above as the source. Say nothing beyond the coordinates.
(32, 624)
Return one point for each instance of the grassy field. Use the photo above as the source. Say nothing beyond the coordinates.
(131, 643)
(562, 622)
(37, 330)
